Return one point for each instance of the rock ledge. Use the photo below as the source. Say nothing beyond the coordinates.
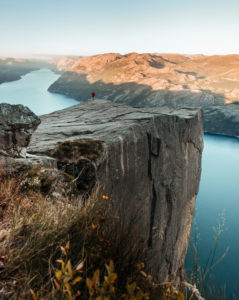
(148, 158)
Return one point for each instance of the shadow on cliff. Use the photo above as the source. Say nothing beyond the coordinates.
(78, 87)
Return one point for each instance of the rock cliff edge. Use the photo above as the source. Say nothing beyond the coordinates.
(143, 158)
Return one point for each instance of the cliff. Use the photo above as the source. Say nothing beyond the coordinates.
(155, 80)
(222, 120)
(143, 158)
(12, 69)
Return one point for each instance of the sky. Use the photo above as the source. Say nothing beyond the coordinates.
(87, 27)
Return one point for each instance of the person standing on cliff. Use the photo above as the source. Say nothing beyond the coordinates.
(93, 95)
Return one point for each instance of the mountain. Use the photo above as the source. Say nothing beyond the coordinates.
(12, 68)
(159, 80)
(64, 63)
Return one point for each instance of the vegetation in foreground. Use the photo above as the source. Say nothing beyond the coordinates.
(62, 249)
(201, 275)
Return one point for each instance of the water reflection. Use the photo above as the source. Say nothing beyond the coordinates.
(219, 192)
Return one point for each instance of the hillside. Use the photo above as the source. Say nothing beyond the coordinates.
(12, 69)
(216, 76)
(156, 80)
(63, 63)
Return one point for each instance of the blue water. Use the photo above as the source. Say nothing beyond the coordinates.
(219, 193)
(31, 91)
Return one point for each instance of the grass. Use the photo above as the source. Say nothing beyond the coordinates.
(70, 151)
(38, 228)
(68, 250)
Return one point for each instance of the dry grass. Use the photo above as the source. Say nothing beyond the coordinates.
(70, 151)
(92, 235)
(39, 226)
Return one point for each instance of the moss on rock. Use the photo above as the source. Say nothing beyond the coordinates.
(71, 151)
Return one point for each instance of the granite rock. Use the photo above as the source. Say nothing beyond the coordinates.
(143, 158)
(17, 123)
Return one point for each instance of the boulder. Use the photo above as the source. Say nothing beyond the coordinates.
(17, 123)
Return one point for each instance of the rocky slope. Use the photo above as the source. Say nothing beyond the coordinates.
(152, 80)
(143, 158)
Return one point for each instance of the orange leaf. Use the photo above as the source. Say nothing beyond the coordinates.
(78, 293)
(94, 226)
(67, 247)
(34, 297)
(56, 284)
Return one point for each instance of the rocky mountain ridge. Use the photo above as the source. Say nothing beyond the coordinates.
(64, 63)
(218, 74)
(152, 80)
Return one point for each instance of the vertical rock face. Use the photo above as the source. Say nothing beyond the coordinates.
(143, 158)
(17, 124)
(222, 120)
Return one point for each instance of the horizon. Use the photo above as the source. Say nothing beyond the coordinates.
(79, 28)
(52, 56)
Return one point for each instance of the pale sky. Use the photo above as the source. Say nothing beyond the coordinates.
(85, 27)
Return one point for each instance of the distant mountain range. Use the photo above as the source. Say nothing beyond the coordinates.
(64, 63)
(153, 80)
(13, 68)
(147, 80)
